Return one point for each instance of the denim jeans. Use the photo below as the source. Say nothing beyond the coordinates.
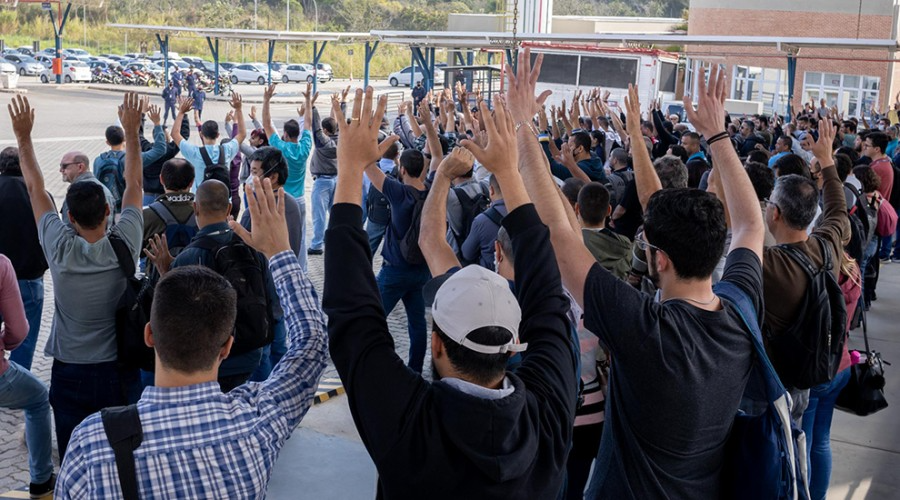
(304, 261)
(896, 254)
(272, 353)
(33, 298)
(21, 390)
(376, 234)
(396, 283)
(817, 427)
(322, 199)
(77, 391)
(887, 244)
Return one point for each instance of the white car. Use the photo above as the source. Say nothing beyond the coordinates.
(73, 71)
(255, 72)
(403, 76)
(79, 53)
(7, 67)
(300, 73)
(25, 65)
(324, 72)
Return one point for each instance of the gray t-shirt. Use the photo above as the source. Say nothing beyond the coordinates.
(87, 284)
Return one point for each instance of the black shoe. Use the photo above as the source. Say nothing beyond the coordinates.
(315, 251)
(42, 490)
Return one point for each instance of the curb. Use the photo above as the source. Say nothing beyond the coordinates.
(328, 388)
(20, 493)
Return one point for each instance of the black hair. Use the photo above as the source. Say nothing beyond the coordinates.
(762, 178)
(582, 140)
(413, 161)
(177, 174)
(850, 126)
(192, 317)
(209, 130)
(481, 368)
(791, 164)
(692, 135)
(593, 203)
(689, 226)
(879, 140)
(758, 157)
(679, 151)
(292, 129)
(87, 203)
(271, 162)
(787, 141)
(9, 162)
(868, 177)
(843, 164)
(330, 125)
(850, 152)
(115, 135)
(391, 152)
(571, 187)
(797, 198)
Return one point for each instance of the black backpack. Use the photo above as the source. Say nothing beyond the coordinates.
(378, 209)
(471, 207)
(109, 169)
(616, 183)
(132, 313)
(215, 171)
(245, 269)
(808, 352)
(178, 234)
(409, 243)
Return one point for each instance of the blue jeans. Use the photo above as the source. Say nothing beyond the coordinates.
(396, 283)
(304, 261)
(33, 298)
(21, 390)
(817, 427)
(897, 243)
(272, 353)
(887, 244)
(322, 199)
(376, 234)
(77, 391)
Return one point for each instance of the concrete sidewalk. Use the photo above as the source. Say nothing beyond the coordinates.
(326, 460)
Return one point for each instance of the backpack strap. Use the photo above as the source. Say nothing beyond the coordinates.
(125, 434)
(207, 160)
(221, 156)
(123, 254)
(493, 215)
(166, 215)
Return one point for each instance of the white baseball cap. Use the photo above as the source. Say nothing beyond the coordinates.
(474, 298)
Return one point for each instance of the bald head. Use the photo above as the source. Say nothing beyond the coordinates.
(73, 164)
(212, 201)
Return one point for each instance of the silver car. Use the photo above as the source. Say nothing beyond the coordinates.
(25, 65)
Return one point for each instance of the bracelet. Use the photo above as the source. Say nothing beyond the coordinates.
(529, 125)
(717, 137)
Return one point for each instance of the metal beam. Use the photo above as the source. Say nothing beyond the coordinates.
(58, 33)
(164, 48)
(419, 59)
(215, 55)
(271, 55)
(370, 51)
(317, 56)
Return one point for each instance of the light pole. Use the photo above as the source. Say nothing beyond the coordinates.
(287, 46)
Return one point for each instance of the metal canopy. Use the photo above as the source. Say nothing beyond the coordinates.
(248, 34)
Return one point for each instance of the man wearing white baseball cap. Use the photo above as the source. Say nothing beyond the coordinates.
(478, 431)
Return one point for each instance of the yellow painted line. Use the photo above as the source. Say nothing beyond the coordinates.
(328, 388)
(23, 493)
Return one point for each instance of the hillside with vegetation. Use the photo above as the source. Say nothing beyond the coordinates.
(87, 28)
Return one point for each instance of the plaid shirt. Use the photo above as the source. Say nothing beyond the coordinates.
(200, 443)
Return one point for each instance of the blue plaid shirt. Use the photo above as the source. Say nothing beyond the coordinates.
(200, 443)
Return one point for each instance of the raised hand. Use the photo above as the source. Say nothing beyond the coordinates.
(185, 104)
(500, 155)
(633, 110)
(456, 164)
(229, 116)
(22, 115)
(424, 111)
(157, 252)
(309, 96)
(270, 232)
(154, 114)
(709, 118)
(824, 147)
(236, 101)
(343, 93)
(359, 145)
(269, 92)
(130, 115)
(253, 112)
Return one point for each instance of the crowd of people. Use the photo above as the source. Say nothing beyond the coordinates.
(589, 273)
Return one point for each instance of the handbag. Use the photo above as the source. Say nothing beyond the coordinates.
(887, 218)
(864, 392)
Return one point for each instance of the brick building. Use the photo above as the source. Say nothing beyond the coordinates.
(852, 80)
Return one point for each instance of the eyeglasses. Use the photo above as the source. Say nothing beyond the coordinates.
(644, 245)
(770, 202)
(63, 166)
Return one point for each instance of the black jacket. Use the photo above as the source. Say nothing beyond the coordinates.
(429, 440)
(18, 230)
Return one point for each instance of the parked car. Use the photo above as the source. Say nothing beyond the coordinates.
(45, 60)
(28, 51)
(49, 52)
(7, 67)
(255, 72)
(73, 71)
(228, 65)
(404, 76)
(324, 72)
(145, 66)
(8, 52)
(79, 53)
(113, 57)
(158, 56)
(25, 65)
(297, 73)
(193, 61)
(209, 68)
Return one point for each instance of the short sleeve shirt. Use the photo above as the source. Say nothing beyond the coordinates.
(402, 199)
(87, 284)
(191, 153)
(297, 155)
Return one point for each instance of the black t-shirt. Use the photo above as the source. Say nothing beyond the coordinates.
(628, 224)
(676, 380)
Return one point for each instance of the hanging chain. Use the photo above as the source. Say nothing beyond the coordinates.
(515, 25)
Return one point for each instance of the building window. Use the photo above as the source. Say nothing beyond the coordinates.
(766, 85)
(853, 95)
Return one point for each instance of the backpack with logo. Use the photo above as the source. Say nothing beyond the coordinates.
(216, 171)
(109, 169)
(471, 206)
(179, 234)
(809, 351)
(132, 312)
(409, 243)
(765, 455)
(244, 268)
(616, 184)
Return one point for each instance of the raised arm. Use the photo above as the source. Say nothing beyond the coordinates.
(159, 137)
(184, 105)
(433, 229)
(309, 100)
(130, 114)
(413, 123)
(645, 177)
(431, 135)
(267, 111)
(22, 117)
(237, 105)
(709, 119)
